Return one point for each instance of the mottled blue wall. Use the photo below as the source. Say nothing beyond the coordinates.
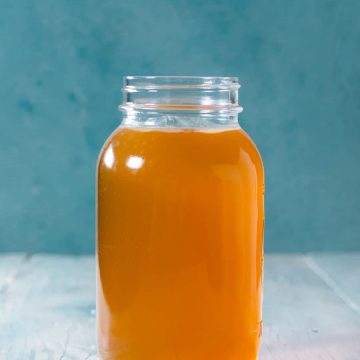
(61, 64)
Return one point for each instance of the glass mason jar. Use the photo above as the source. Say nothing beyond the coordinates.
(180, 210)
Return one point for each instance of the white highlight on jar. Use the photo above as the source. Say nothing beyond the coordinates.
(134, 162)
(109, 157)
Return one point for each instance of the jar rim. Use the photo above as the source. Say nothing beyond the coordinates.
(132, 83)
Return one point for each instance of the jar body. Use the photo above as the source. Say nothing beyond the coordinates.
(179, 245)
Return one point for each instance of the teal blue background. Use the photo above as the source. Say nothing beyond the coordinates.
(61, 64)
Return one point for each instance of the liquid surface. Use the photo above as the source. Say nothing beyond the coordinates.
(180, 245)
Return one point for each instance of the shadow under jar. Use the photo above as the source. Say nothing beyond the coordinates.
(180, 211)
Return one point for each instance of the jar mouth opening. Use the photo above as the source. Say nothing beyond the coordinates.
(134, 83)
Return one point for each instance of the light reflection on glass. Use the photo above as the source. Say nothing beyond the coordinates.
(109, 157)
(134, 162)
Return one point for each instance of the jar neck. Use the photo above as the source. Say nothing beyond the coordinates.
(180, 102)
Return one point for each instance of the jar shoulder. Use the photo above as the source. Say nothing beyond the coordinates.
(191, 146)
(253, 150)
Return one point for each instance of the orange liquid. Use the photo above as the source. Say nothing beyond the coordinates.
(180, 245)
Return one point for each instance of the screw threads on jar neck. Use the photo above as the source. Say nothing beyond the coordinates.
(171, 101)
